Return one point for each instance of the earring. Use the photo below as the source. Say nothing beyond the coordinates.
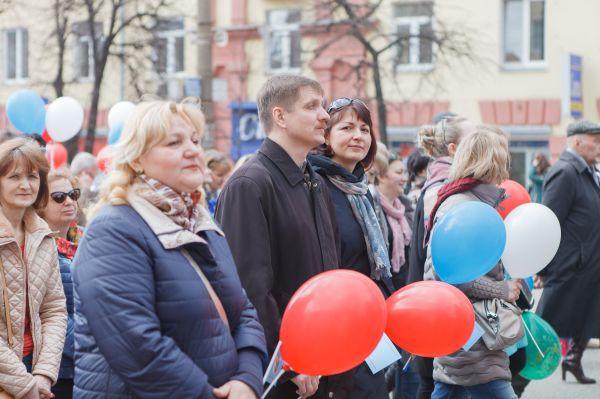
(138, 173)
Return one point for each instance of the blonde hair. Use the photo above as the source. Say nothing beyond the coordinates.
(148, 125)
(482, 155)
(434, 139)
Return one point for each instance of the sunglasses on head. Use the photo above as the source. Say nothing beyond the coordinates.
(60, 196)
(343, 102)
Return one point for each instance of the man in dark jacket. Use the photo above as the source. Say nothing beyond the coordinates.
(571, 298)
(275, 212)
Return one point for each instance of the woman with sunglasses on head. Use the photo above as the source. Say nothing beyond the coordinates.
(349, 148)
(61, 215)
(33, 319)
(159, 308)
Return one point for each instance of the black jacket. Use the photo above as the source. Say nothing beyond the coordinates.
(571, 298)
(358, 383)
(282, 231)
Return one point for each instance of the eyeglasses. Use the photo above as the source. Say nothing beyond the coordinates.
(60, 196)
(343, 102)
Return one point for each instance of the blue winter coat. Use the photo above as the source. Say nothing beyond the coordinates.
(145, 325)
(66, 363)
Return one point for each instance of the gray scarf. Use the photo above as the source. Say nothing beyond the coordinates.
(367, 219)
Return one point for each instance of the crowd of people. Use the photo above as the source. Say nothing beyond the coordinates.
(168, 276)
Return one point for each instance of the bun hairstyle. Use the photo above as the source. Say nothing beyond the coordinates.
(434, 139)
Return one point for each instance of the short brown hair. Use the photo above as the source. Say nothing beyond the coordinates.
(28, 151)
(281, 91)
(361, 112)
(217, 162)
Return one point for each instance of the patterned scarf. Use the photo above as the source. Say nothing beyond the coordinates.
(68, 246)
(367, 219)
(180, 208)
(401, 231)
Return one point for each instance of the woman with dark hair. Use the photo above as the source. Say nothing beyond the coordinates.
(416, 166)
(33, 318)
(536, 175)
(349, 148)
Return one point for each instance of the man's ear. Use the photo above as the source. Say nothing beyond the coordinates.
(278, 115)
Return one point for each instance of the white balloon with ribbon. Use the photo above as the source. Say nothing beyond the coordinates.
(64, 118)
(532, 239)
(119, 113)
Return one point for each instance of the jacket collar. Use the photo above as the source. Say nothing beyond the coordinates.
(170, 234)
(569, 155)
(286, 165)
(35, 227)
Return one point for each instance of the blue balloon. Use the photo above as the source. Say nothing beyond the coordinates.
(25, 110)
(467, 242)
(115, 133)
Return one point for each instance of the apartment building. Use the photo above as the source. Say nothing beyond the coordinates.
(530, 66)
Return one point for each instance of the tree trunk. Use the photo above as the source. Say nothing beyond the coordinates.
(93, 116)
(381, 111)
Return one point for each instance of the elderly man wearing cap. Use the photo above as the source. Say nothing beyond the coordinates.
(571, 298)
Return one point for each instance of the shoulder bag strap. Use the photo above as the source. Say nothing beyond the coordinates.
(209, 288)
(6, 303)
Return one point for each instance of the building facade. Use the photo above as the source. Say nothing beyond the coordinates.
(529, 66)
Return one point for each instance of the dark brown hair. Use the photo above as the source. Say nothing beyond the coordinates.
(362, 113)
(543, 164)
(30, 154)
(281, 91)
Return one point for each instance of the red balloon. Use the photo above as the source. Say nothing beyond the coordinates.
(46, 136)
(56, 154)
(429, 318)
(104, 158)
(515, 195)
(332, 323)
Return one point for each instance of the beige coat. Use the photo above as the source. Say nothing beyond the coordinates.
(46, 304)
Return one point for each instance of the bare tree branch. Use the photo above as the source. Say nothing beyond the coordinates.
(360, 19)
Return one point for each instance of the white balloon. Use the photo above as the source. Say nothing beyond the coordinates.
(64, 118)
(119, 113)
(532, 239)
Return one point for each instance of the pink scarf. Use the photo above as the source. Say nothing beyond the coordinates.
(401, 231)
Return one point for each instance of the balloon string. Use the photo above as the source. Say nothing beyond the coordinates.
(533, 339)
(407, 363)
(272, 384)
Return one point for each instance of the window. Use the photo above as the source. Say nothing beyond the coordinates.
(524, 32)
(413, 27)
(16, 57)
(169, 49)
(84, 53)
(283, 40)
